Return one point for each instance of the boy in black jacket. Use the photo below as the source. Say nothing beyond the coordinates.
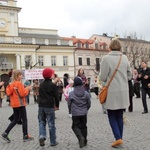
(48, 103)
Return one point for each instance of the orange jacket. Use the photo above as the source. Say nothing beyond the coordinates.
(15, 99)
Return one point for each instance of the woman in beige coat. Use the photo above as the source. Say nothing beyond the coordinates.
(118, 92)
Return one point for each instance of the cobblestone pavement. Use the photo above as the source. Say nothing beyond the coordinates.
(100, 137)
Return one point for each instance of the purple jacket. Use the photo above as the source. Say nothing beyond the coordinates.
(79, 101)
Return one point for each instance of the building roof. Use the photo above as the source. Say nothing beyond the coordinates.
(76, 40)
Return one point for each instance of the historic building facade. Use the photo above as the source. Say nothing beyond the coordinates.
(31, 48)
(136, 50)
(87, 55)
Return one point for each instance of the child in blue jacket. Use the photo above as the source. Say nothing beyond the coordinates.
(79, 103)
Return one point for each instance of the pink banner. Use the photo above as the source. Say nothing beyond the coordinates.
(33, 74)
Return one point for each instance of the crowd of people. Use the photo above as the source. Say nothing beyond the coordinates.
(48, 94)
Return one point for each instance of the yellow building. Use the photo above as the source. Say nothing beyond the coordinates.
(30, 48)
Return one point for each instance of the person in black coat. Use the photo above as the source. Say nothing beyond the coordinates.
(131, 94)
(144, 76)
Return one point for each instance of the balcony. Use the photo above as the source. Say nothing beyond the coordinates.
(32, 40)
(6, 66)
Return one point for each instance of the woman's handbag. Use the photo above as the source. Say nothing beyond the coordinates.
(103, 94)
(104, 90)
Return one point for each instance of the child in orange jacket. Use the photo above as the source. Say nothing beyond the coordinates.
(17, 94)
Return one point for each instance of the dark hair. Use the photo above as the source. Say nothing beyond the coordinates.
(144, 61)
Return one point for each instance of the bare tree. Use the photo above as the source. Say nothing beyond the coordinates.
(136, 51)
(97, 58)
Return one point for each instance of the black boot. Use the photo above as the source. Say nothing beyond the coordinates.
(81, 142)
(80, 137)
(84, 133)
(35, 101)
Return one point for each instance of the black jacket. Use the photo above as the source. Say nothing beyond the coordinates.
(131, 88)
(144, 81)
(48, 94)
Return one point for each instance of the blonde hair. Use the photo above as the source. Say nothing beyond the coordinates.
(115, 45)
(16, 74)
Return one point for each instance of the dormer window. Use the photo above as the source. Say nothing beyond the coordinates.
(96, 45)
(87, 45)
(79, 45)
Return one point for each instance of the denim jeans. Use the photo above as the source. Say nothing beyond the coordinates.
(116, 122)
(47, 115)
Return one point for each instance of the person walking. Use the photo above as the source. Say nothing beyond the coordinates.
(118, 92)
(95, 86)
(79, 102)
(35, 90)
(144, 76)
(136, 84)
(17, 93)
(84, 79)
(69, 88)
(131, 94)
(2, 93)
(48, 103)
(27, 83)
(60, 87)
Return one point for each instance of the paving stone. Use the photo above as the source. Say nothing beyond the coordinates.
(136, 132)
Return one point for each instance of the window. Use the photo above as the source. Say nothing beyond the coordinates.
(96, 45)
(104, 47)
(88, 61)
(65, 60)
(53, 60)
(27, 61)
(87, 45)
(41, 60)
(79, 45)
(80, 61)
(97, 66)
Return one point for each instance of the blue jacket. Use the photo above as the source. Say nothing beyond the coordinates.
(79, 101)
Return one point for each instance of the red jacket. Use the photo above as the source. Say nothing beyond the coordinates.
(15, 99)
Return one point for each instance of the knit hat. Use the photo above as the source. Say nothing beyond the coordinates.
(47, 73)
(77, 81)
(70, 81)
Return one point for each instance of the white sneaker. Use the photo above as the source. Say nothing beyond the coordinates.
(70, 115)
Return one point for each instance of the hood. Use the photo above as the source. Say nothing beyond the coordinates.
(79, 91)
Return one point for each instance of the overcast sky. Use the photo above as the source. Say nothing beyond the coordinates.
(83, 18)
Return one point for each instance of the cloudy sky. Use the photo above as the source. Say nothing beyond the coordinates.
(83, 18)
